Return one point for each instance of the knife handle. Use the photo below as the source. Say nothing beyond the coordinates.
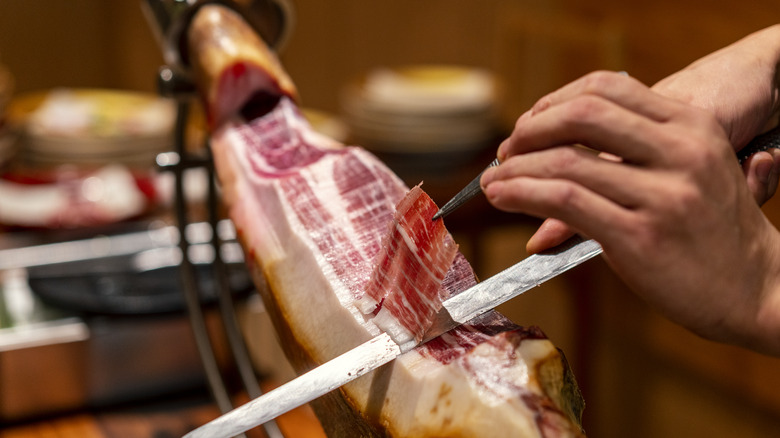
(762, 142)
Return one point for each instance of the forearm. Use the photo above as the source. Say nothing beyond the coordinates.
(765, 46)
(766, 331)
(739, 84)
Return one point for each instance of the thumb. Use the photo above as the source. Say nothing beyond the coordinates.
(551, 233)
(762, 172)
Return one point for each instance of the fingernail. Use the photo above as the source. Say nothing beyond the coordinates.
(764, 170)
(776, 160)
(501, 152)
(541, 105)
(487, 177)
(491, 190)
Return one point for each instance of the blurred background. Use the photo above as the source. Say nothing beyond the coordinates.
(641, 375)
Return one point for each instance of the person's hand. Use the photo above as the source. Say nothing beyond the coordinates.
(739, 85)
(674, 214)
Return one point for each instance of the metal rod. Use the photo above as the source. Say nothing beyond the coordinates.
(227, 307)
(187, 272)
(174, 83)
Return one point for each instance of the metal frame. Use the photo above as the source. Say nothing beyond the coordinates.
(169, 20)
(176, 84)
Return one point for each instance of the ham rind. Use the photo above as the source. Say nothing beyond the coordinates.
(236, 62)
(311, 215)
(405, 288)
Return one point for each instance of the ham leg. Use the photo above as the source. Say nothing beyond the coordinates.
(317, 221)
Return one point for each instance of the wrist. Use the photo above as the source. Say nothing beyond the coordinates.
(771, 43)
(767, 317)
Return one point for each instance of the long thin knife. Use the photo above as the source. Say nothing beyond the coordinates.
(464, 195)
(478, 299)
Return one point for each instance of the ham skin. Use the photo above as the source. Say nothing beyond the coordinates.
(233, 64)
(316, 220)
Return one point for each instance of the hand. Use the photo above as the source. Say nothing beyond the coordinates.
(739, 85)
(674, 214)
(762, 173)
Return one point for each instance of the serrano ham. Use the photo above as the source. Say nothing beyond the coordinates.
(340, 250)
(405, 288)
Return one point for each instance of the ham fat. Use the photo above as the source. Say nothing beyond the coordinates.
(336, 263)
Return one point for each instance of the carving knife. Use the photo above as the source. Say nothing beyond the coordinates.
(456, 310)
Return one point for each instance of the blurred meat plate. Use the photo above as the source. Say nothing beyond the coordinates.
(71, 198)
(83, 157)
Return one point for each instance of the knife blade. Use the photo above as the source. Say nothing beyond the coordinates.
(478, 299)
(511, 282)
(471, 190)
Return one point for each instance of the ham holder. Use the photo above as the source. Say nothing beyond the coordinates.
(343, 252)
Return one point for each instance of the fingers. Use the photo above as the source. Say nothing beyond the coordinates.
(614, 87)
(551, 233)
(605, 111)
(586, 212)
(627, 186)
(762, 172)
(554, 232)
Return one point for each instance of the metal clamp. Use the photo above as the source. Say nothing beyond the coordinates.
(273, 20)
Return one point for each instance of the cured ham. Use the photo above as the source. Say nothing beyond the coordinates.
(340, 248)
(405, 288)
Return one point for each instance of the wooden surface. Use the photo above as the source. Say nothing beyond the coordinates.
(164, 418)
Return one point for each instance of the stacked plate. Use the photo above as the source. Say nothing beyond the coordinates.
(93, 127)
(423, 118)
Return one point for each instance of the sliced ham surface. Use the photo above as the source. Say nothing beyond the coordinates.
(340, 251)
(405, 287)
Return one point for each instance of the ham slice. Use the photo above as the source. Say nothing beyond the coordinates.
(336, 262)
(405, 288)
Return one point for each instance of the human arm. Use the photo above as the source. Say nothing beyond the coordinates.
(739, 85)
(675, 216)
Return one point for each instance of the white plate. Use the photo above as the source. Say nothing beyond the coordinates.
(97, 126)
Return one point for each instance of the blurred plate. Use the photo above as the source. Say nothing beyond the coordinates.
(71, 198)
(426, 89)
(432, 113)
(92, 126)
